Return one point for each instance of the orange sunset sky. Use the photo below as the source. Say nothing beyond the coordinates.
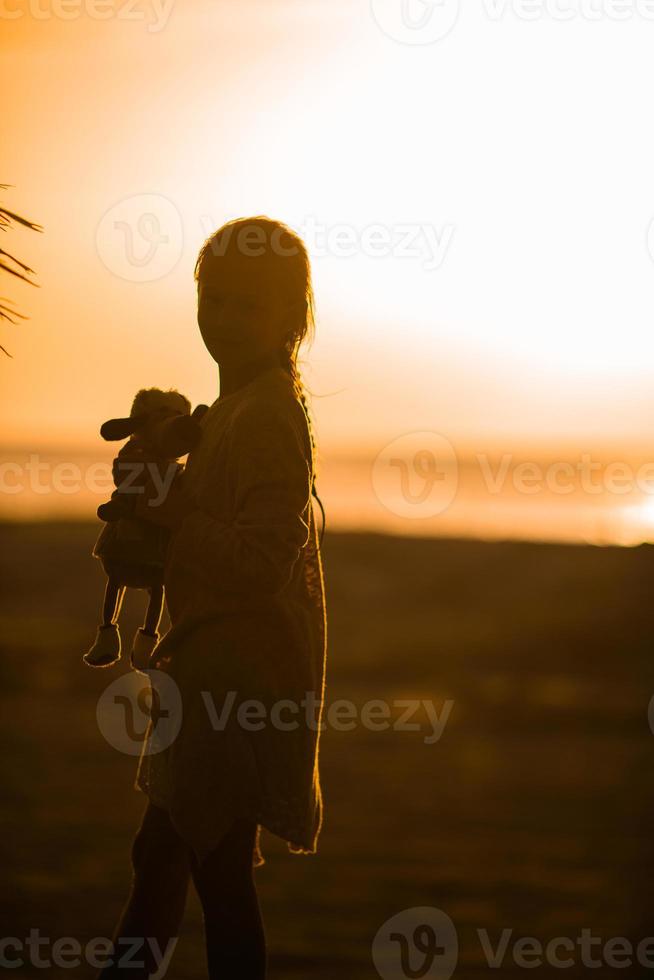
(518, 154)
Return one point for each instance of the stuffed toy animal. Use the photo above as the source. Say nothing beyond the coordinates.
(161, 428)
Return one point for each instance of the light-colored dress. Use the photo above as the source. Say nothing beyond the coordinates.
(245, 592)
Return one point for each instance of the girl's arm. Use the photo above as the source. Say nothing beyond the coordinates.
(272, 476)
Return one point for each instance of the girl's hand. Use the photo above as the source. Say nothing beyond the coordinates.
(169, 512)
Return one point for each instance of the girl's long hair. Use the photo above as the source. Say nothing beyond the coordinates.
(282, 252)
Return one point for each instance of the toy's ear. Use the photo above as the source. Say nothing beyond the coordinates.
(115, 430)
(199, 412)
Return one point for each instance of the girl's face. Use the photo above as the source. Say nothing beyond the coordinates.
(241, 315)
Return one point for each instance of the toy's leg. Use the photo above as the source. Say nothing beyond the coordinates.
(106, 649)
(154, 611)
(147, 636)
(113, 600)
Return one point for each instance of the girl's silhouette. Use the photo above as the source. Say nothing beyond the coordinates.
(245, 592)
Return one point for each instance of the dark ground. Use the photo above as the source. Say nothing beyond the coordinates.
(534, 812)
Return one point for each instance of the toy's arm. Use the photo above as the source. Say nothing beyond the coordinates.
(258, 550)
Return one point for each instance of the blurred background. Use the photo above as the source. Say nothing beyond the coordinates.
(474, 186)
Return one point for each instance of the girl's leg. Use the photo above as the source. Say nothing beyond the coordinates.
(236, 943)
(156, 902)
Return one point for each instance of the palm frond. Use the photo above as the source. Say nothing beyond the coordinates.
(18, 273)
(8, 313)
(6, 217)
(11, 265)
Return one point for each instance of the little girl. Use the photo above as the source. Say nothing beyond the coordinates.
(245, 592)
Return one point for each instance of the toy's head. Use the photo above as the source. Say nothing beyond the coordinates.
(161, 421)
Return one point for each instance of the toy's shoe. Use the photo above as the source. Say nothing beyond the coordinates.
(143, 645)
(106, 649)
